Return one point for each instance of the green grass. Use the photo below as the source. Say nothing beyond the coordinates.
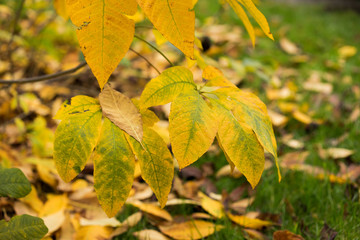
(319, 34)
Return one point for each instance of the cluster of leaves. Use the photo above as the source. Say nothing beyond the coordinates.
(198, 113)
(13, 183)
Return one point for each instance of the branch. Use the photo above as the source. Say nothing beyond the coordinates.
(145, 60)
(45, 77)
(155, 48)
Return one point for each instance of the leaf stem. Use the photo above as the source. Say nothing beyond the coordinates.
(140, 55)
(155, 48)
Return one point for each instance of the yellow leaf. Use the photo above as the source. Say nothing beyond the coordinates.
(191, 230)
(159, 39)
(244, 18)
(240, 145)
(156, 163)
(114, 166)
(104, 32)
(149, 118)
(249, 222)
(215, 78)
(258, 16)
(60, 8)
(93, 233)
(215, 208)
(149, 234)
(78, 104)
(54, 221)
(175, 20)
(347, 51)
(248, 109)
(75, 139)
(192, 127)
(55, 203)
(167, 86)
(152, 209)
(121, 111)
(33, 200)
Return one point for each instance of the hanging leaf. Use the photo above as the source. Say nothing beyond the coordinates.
(114, 166)
(240, 144)
(23, 227)
(13, 183)
(75, 139)
(167, 86)
(244, 18)
(104, 32)
(148, 117)
(60, 8)
(173, 19)
(121, 111)
(192, 128)
(156, 163)
(258, 16)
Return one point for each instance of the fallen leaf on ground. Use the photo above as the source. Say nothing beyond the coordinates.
(286, 235)
(191, 230)
(247, 222)
(152, 209)
(149, 234)
(215, 208)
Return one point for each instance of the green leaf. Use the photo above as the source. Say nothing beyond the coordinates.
(75, 139)
(78, 104)
(250, 110)
(23, 227)
(192, 127)
(167, 86)
(13, 183)
(156, 164)
(240, 144)
(114, 166)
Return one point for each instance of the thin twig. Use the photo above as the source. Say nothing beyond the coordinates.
(145, 60)
(155, 48)
(45, 77)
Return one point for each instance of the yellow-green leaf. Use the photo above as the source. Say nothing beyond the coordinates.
(214, 207)
(258, 16)
(167, 86)
(192, 127)
(156, 163)
(104, 32)
(240, 145)
(75, 105)
(114, 166)
(244, 18)
(75, 139)
(121, 111)
(250, 110)
(175, 20)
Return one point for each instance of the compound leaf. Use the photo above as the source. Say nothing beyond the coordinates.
(23, 227)
(192, 127)
(156, 163)
(104, 32)
(114, 166)
(75, 139)
(121, 111)
(175, 20)
(167, 86)
(13, 183)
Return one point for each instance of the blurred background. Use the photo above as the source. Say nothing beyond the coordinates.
(309, 78)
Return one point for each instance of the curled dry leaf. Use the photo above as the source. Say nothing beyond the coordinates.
(247, 222)
(149, 234)
(286, 235)
(121, 111)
